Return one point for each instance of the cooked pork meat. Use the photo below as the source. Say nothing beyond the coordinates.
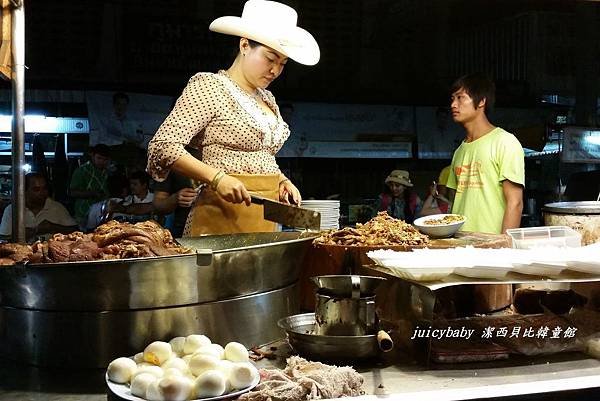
(15, 252)
(112, 240)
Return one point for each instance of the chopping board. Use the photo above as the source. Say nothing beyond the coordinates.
(340, 259)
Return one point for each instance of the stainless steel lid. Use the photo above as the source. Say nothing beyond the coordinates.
(581, 207)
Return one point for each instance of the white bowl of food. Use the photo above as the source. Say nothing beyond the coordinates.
(440, 225)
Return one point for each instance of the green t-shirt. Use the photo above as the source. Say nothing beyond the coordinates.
(478, 169)
(88, 178)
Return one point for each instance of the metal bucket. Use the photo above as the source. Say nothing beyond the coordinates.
(345, 316)
(583, 216)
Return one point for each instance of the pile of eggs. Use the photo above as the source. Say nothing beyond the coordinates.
(185, 368)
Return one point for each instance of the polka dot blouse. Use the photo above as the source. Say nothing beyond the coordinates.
(226, 125)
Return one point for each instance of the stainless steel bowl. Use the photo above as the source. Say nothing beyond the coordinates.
(301, 335)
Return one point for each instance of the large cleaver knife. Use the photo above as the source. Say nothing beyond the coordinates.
(288, 215)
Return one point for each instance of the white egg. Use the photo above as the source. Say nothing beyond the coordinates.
(176, 388)
(140, 383)
(202, 362)
(172, 372)
(208, 350)
(177, 345)
(193, 342)
(153, 392)
(236, 352)
(142, 364)
(157, 352)
(176, 363)
(220, 350)
(121, 369)
(155, 371)
(211, 383)
(225, 367)
(139, 357)
(242, 375)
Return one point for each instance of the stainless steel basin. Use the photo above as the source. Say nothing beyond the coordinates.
(226, 266)
(84, 314)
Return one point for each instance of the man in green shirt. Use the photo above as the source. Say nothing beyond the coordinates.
(89, 182)
(488, 168)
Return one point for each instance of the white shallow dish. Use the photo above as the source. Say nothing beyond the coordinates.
(494, 272)
(586, 266)
(123, 391)
(438, 230)
(422, 273)
(539, 269)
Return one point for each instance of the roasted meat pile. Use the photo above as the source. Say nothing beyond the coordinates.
(112, 240)
(382, 230)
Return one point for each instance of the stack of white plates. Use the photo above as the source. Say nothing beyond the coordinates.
(329, 209)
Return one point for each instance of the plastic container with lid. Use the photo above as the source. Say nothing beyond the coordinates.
(550, 236)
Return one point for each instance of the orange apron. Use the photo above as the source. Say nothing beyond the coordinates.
(212, 214)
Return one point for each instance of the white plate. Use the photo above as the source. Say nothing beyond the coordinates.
(483, 272)
(123, 391)
(420, 274)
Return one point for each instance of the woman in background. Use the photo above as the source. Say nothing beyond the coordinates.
(397, 198)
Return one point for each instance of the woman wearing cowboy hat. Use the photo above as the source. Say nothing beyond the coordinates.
(397, 199)
(235, 123)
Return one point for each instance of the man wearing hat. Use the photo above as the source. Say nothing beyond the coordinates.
(89, 182)
(235, 123)
(397, 199)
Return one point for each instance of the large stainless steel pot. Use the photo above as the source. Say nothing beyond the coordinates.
(583, 216)
(236, 287)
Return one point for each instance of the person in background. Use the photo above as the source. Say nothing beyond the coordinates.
(101, 212)
(138, 205)
(89, 182)
(437, 201)
(175, 195)
(397, 197)
(236, 123)
(139, 186)
(117, 128)
(43, 215)
(488, 168)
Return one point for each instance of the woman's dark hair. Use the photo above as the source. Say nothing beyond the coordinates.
(479, 86)
(251, 42)
(409, 215)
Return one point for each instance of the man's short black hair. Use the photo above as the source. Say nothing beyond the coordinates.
(120, 95)
(141, 176)
(30, 176)
(100, 149)
(479, 86)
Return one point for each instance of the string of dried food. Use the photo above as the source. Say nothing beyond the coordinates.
(381, 230)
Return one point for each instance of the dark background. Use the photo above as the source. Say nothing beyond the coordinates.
(541, 53)
(373, 51)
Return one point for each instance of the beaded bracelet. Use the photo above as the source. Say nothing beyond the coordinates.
(216, 179)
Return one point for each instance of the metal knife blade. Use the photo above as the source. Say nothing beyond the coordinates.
(292, 216)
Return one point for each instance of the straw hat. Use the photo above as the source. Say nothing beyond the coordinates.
(272, 24)
(399, 176)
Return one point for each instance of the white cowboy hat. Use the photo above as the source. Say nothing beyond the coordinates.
(272, 24)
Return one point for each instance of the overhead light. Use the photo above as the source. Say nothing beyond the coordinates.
(27, 168)
(593, 138)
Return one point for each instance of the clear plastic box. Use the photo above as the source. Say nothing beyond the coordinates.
(550, 236)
